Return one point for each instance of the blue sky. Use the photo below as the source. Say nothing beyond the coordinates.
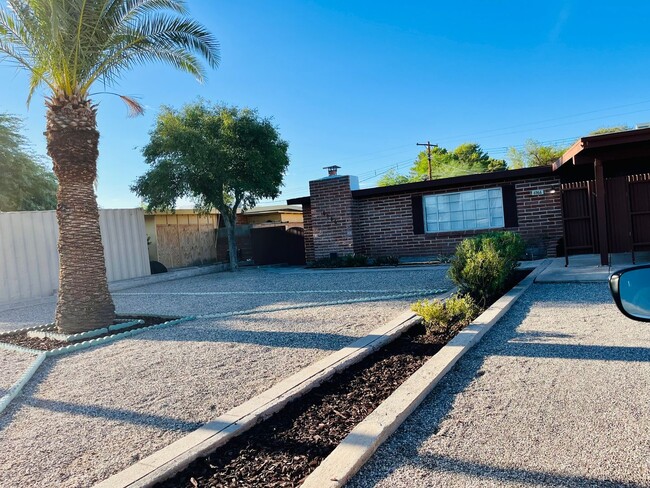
(359, 83)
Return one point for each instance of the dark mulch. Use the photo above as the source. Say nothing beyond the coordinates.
(47, 344)
(283, 450)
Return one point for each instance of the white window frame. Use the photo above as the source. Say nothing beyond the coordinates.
(464, 210)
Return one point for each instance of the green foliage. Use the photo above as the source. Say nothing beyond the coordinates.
(69, 45)
(467, 158)
(25, 183)
(392, 177)
(534, 154)
(609, 130)
(219, 156)
(386, 261)
(347, 261)
(441, 317)
(483, 264)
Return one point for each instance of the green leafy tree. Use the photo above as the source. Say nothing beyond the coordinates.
(467, 158)
(534, 154)
(392, 177)
(220, 156)
(25, 183)
(609, 130)
(69, 47)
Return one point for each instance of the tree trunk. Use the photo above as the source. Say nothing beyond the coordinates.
(232, 242)
(84, 301)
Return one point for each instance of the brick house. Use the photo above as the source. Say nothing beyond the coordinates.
(552, 207)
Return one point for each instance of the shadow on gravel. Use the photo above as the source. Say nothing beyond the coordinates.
(514, 475)
(403, 448)
(119, 415)
(298, 340)
(572, 351)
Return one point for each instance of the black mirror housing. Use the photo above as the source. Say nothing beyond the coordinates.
(630, 288)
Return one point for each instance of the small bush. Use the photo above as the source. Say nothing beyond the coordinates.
(443, 317)
(349, 261)
(386, 261)
(483, 264)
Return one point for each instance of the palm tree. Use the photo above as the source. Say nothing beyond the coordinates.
(70, 46)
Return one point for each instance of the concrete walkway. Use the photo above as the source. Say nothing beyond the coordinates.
(586, 268)
(557, 394)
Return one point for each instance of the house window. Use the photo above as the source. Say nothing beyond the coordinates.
(465, 210)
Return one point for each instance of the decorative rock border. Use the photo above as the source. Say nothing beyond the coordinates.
(176, 456)
(49, 334)
(17, 387)
(360, 444)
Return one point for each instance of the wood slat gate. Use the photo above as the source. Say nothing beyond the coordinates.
(578, 217)
(639, 205)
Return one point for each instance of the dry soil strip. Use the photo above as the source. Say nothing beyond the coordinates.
(360, 444)
(178, 455)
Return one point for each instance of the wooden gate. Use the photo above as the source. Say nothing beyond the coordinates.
(276, 245)
(639, 205)
(578, 216)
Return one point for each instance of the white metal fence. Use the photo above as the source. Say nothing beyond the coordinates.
(29, 263)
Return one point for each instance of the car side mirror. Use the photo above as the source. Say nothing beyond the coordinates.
(631, 291)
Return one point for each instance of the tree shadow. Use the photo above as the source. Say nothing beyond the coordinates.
(504, 339)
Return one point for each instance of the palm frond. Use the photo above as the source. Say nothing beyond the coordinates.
(71, 44)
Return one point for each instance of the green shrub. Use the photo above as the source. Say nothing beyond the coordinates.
(483, 264)
(386, 261)
(348, 261)
(441, 317)
(354, 260)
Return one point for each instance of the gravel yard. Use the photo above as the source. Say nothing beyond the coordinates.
(12, 366)
(556, 394)
(88, 415)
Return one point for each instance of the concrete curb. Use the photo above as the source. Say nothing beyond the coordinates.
(41, 355)
(17, 387)
(175, 457)
(360, 444)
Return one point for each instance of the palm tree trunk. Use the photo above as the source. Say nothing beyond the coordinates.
(84, 301)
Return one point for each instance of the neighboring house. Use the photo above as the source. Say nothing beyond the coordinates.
(285, 214)
(594, 199)
(185, 238)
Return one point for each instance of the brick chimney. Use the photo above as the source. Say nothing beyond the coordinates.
(332, 209)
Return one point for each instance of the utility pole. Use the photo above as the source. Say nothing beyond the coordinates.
(429, 146)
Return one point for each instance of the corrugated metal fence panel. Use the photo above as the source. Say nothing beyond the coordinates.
(29, 260)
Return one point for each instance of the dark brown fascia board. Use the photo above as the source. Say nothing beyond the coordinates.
(299, 201)
(444, 183)
(599, 141)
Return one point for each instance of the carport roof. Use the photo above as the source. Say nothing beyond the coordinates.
(615, 145)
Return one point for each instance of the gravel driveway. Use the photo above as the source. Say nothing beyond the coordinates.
(85, 416)
(557, 394)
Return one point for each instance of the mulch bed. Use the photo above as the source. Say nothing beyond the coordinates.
(47, 344)
(283, 450)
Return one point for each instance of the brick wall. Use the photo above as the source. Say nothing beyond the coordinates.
(382, 225)
(331, 216)
(309, 233)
